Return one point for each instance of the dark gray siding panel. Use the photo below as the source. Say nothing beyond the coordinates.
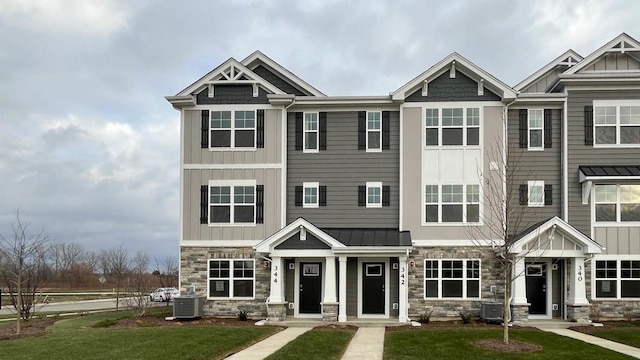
(460, 88)
(289, 281)
(581, 154)
(394, 290)
(352, 287)
(294, 242)
(528, 165)
(342, 168)
(232, 94)
(278, 81)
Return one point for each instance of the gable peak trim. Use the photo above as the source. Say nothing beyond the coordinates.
(621, 43)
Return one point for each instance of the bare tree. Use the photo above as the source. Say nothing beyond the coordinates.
(166, 270)
(116, 262)
(23, 267)
(66, 260)
(138, 284)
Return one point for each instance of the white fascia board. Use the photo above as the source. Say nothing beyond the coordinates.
(589, 246)
(218, 243)
(344, 100)
(181, 101)
(545, 69)
(507, 91)
(373, 250)
(258, 55)
(601, 51)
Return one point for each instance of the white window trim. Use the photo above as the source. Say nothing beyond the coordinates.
(310, 185)
(230, 279)
(379, 149)
(618, 222)
(232, 184)
(463, 279)
(530, 185)
(440, 203)
(233, 130)
(529, 128)
(465, 126)
(305, 131)
(374, 184)
(618, 279)
(617, 104)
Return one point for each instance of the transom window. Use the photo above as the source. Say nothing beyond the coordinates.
(452, 127)
(311, 132)
(617, 279)
(374, 194)
(452, 203)
(233, 129)
(310, 194)
(374, 131)
(452, 278)
(231, 278)
(616, 123)
(617, 203)
(536, 129)
(231, 204)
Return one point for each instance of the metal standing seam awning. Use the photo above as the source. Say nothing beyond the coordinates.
(591, 173)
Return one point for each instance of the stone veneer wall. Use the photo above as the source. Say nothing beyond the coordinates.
(194, 271)
(490, 274)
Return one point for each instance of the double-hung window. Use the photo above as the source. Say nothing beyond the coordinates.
(374, 194)
(616, 123)
(231, 278)
(535, 193)
(617, 203)
(310, 195)
(452, 278)
(374, 131)
(232, 203)
(233, 129)
(311, 132)
(452, 126)
(617, 279)
(536, 129)
(452, 203)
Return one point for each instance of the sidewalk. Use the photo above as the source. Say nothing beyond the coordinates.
(269, 345)
(367, 344)
(607, 344)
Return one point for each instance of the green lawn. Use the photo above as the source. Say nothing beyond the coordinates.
(316, 344)
(458, 344)
(622, 332)
(76, 339)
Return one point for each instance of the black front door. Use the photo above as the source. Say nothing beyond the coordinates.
(536, 275)
(373, 292)
(310, 288)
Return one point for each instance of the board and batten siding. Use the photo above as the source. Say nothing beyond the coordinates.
(342, 168)
(539, 165)
(271, 153)
(193, 179)
(618, 240)
(581, 154)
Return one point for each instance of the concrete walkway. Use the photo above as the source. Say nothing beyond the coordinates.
(367, 344)
(269, 345)
(607, 344)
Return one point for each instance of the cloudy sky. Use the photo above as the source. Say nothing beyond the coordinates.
(89, 147)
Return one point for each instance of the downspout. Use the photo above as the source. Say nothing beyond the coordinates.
(283, 189)
(505, 144)
(565, 166)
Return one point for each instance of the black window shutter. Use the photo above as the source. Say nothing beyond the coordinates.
(204, 204)
(588, 125)
(362, 130)
(548, 194)
(524, 194)
(259, 204)
(260, 129)
(298, 196)
(322, 200)
(524, 127)
(204, 137)
(547, 128)
(322, 127)
(386, 115)
(299, 130)
(362, 195)
(386, 195)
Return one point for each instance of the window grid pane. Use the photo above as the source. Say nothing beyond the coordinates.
(245, 119)
(374, 195)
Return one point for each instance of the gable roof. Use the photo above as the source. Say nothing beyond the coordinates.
(267, 245)
(588, 245)
(231, 71)
(257, 58)
(621, 43)
(569, 58)
(465, 66)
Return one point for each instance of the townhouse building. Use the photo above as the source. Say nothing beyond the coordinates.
(295, 204)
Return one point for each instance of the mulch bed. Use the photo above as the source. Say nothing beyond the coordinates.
(514, 346)
(35, 327)
(608, 325)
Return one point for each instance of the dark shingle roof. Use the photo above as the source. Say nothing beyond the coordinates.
(609, 170)
(370, 237)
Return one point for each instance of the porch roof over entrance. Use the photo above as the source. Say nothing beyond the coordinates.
(554, 237)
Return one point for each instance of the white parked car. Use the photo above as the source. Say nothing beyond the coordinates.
(164, 294)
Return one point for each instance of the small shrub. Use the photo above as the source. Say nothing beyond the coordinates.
(595, 312)
(104, 323)
(242, 315)
(466, 317)
(628, 313)
(425, 318)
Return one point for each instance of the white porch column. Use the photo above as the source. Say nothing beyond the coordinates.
(403, 285)
(277, 287)
(519, 285)
(342, 282)
(330, 280)
(577, 290)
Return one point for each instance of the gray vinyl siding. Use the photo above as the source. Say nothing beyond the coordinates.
(460, 88)
(541, 85)
(352, 289)
(581, 154)
(529, 165)
(232, 94)
(614, 61)
(342, 168)
(618, 240)
(270, 154)
(193, 179)
(289, 285)
(278, 81)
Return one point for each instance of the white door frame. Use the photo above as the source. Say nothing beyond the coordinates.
(549, 290)
(296, 291)
(386, 288)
